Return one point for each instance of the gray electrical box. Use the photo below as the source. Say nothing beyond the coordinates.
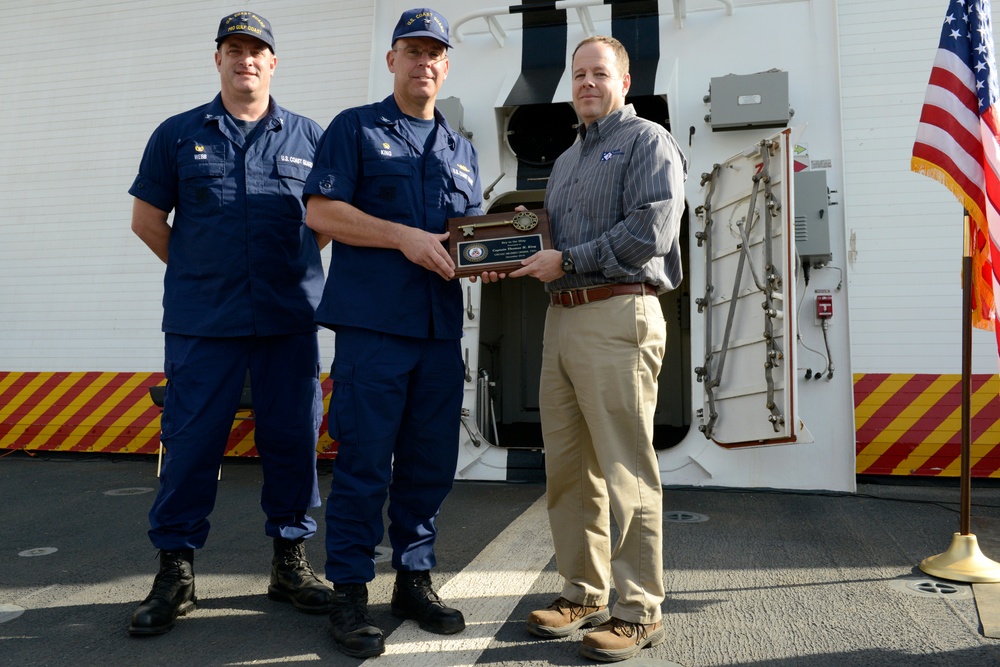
(453, 111)
(812, 219)
(739, 102)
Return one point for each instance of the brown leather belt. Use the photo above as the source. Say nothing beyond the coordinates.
(578, 297)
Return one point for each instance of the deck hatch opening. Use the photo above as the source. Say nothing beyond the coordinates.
(129, 491)
(934, 587)
(38, 551)
(931, 588)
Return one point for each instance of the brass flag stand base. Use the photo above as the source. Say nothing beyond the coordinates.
(963, 561)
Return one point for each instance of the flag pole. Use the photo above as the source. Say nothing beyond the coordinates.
(966, 491)
(963, 561)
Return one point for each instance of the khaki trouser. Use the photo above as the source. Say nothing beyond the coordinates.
(600, 363)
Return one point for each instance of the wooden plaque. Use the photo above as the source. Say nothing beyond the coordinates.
(497, 242)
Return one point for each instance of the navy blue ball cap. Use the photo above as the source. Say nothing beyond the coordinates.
(246, 23)
(422, 22)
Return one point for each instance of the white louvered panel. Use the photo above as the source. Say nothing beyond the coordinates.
(904, 230)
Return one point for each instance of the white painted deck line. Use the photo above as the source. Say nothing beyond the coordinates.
(486, 591)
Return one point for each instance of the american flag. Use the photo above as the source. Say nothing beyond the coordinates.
(957, 140)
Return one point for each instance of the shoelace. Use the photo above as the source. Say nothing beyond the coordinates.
(296, 558)
(166, 579)
(359, 603)
(627, 629)
(422, 583)
(575, 610)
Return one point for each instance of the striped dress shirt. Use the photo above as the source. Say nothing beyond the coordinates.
(615, 200)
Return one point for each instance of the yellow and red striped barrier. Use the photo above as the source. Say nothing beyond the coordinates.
(906, 424)
(107, 413)
(911, 424)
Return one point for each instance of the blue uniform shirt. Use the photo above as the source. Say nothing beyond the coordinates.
(241, 259)
(371, 158)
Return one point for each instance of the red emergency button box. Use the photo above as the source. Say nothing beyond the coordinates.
(824, 306)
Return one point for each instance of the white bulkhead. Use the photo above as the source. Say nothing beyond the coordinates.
(850, 263)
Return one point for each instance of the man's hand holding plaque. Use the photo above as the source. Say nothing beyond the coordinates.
(497, 242)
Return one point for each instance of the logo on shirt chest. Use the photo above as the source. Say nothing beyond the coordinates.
(607, 155)
(199, 152)
(386, 150)
(462, 172)
(291, 159)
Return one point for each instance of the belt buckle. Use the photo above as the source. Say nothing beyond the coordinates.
(566, 299)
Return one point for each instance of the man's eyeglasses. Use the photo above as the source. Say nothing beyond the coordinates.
(432, 56)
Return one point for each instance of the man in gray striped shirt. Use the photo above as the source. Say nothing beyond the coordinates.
(615, 201)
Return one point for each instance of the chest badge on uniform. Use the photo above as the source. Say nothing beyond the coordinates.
(462, 172)
(199, 152)
(385, 150)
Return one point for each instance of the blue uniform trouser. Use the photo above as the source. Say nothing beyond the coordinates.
(395, 412)
(205, 378)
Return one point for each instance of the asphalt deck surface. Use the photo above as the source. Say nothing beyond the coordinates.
(753, 577)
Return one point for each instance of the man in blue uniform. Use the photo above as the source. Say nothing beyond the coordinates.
(242, 281)
(387, 178)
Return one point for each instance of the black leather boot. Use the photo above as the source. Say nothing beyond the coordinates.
(293, 579)
(351, 626)
(413, 598)
(172, 595)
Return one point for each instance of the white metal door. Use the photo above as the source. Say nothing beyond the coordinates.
(748, 373)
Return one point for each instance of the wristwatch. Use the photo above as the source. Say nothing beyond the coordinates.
(568, 266)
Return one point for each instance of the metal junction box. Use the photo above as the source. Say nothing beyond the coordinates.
(739, 102)
(812, 220)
